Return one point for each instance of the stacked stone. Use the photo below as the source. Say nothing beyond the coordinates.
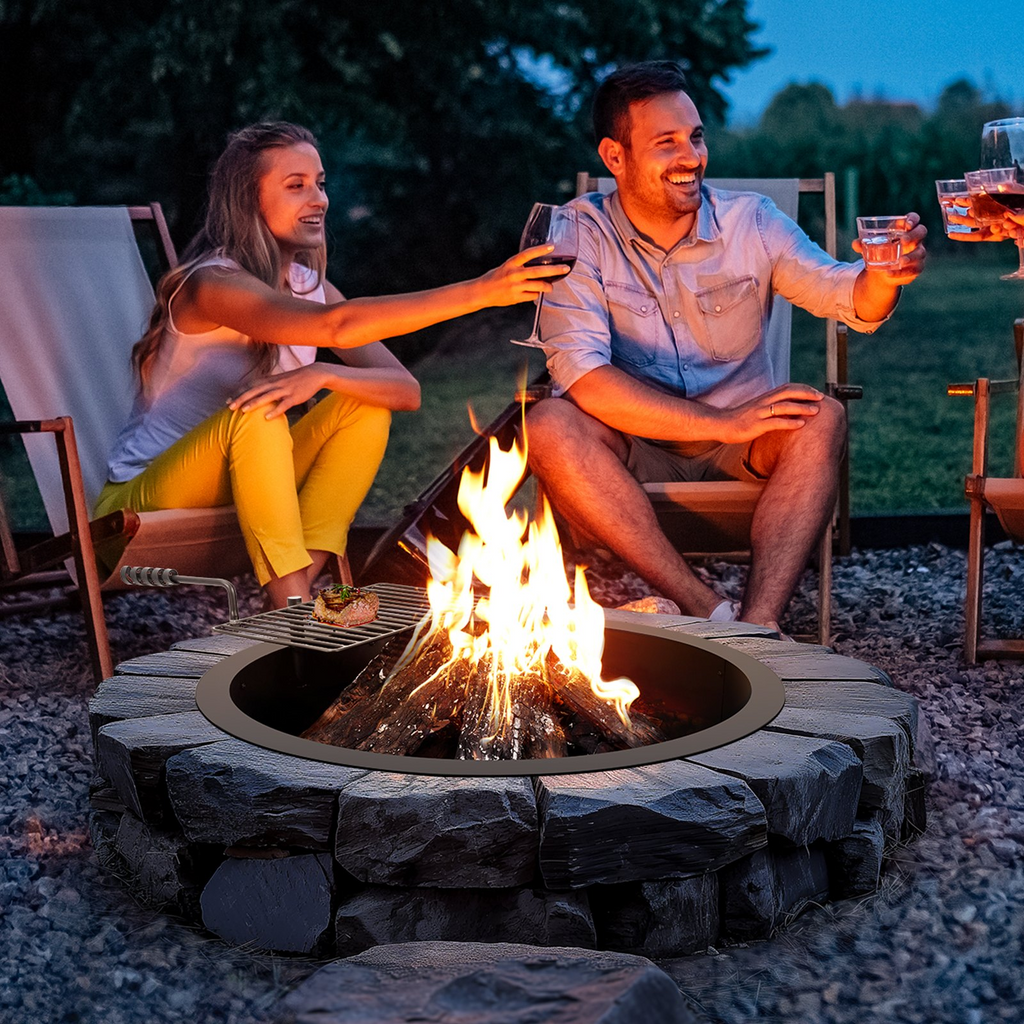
(291, 855)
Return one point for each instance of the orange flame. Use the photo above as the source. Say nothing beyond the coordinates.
(528, 611)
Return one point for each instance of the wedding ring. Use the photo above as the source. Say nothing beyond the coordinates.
(771, 409)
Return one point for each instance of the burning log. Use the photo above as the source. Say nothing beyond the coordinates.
(409, 708)
(575, 691)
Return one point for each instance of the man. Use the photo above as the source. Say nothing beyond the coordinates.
(655, 343)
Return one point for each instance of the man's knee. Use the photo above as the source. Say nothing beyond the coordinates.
(830, 424)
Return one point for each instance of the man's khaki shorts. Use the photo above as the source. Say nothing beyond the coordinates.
(688, 461)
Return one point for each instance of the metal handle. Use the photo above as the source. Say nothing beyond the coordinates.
(148, 576)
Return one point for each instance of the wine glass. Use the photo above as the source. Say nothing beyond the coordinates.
(994, 192)
(1002, 143)
(548, 225)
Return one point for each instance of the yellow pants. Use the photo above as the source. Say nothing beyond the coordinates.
(296, 489)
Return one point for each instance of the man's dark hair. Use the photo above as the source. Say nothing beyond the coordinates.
(632, 84)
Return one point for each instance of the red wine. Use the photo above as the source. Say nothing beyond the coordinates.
(551, 261)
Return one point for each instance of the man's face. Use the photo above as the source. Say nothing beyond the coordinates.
(661, 170)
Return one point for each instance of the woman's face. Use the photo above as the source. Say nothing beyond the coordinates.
(293, 201)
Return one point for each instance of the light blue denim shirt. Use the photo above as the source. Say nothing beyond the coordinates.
(692, 318)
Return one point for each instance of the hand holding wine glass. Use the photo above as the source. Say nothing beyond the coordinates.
(995, 193)
(555, 226)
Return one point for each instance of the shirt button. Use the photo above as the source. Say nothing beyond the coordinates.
(686, 366)
(676, 313)
(643, 309)
(718, 309)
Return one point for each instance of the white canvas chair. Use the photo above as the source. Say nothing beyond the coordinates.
(714, 517)
(74, 298)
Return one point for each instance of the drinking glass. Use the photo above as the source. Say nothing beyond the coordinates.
(994, 192)
(1002, 143)
(881, 240)
(548, 225)
(958, 218)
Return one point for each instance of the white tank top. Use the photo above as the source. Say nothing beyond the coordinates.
(194, 375)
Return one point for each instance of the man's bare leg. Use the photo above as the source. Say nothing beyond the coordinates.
(581, 464)
(803, 470)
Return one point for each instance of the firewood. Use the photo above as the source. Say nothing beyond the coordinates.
(574, 689)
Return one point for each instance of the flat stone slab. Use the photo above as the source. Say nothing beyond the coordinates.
(381, 915)
(281, 905)
(856, 698)
(183, 664)
(855, 862)
(659, 919)
(123, 697)
(810, 787)
(433, 831)
(471, 983)
(658, 821)
(880, 743)
(237, 794)
(133, 754)
(223, 644)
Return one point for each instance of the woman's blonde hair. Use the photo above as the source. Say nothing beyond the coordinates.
(234, 228)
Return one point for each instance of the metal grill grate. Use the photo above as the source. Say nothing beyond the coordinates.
(400, 608)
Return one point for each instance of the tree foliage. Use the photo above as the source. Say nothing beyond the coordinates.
(440, 123)
(897, 149)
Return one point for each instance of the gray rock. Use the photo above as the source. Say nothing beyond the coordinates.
(855, 863)
(180, 664)
(441, 832)
(486, 984)
(219, 643)
(810, 787)
(122, 697)
(660, 821)
(763, 890)
(880, 743)
(165, 869)
(856, 698)
(133, 753)
(281, 905)
(659, 919)
(235, 793)
(378, 915)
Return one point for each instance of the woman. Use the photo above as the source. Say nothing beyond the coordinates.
(230, 348)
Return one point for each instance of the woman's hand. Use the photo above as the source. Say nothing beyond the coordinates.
(282, 391)
(514, 282)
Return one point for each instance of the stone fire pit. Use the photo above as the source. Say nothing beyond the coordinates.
(292, 855)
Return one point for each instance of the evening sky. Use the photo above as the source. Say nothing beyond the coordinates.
(900, 51)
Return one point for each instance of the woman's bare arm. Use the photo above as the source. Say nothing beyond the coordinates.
(221, 297)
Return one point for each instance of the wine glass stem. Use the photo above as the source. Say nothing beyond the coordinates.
(1020, 253)
(536, 319)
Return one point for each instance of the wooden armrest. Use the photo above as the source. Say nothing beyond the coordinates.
(995, 387)
(49, 552)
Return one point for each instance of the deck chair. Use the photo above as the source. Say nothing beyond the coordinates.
(74, 297)
(713, 518)
(1003, 495)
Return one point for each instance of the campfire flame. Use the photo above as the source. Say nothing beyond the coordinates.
(528, 614)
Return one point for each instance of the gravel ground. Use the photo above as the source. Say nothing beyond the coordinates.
(941, 942)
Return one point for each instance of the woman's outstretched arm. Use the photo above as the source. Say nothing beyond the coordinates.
(219, 297)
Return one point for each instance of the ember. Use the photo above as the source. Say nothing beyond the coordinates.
(514, 673)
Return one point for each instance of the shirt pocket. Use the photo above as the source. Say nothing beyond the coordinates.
(731, 316)
(633, 314)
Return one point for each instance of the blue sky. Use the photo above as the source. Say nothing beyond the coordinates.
(902, 49)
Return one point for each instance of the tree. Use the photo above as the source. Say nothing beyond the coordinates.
(440, 124)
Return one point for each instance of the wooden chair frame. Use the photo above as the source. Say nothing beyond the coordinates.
(1004, 495)
(35, 567)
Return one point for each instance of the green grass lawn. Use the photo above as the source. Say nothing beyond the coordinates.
(910, 443)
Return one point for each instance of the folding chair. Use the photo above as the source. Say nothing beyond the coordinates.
(714, 517)
(74, 298)
(1004, 495)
